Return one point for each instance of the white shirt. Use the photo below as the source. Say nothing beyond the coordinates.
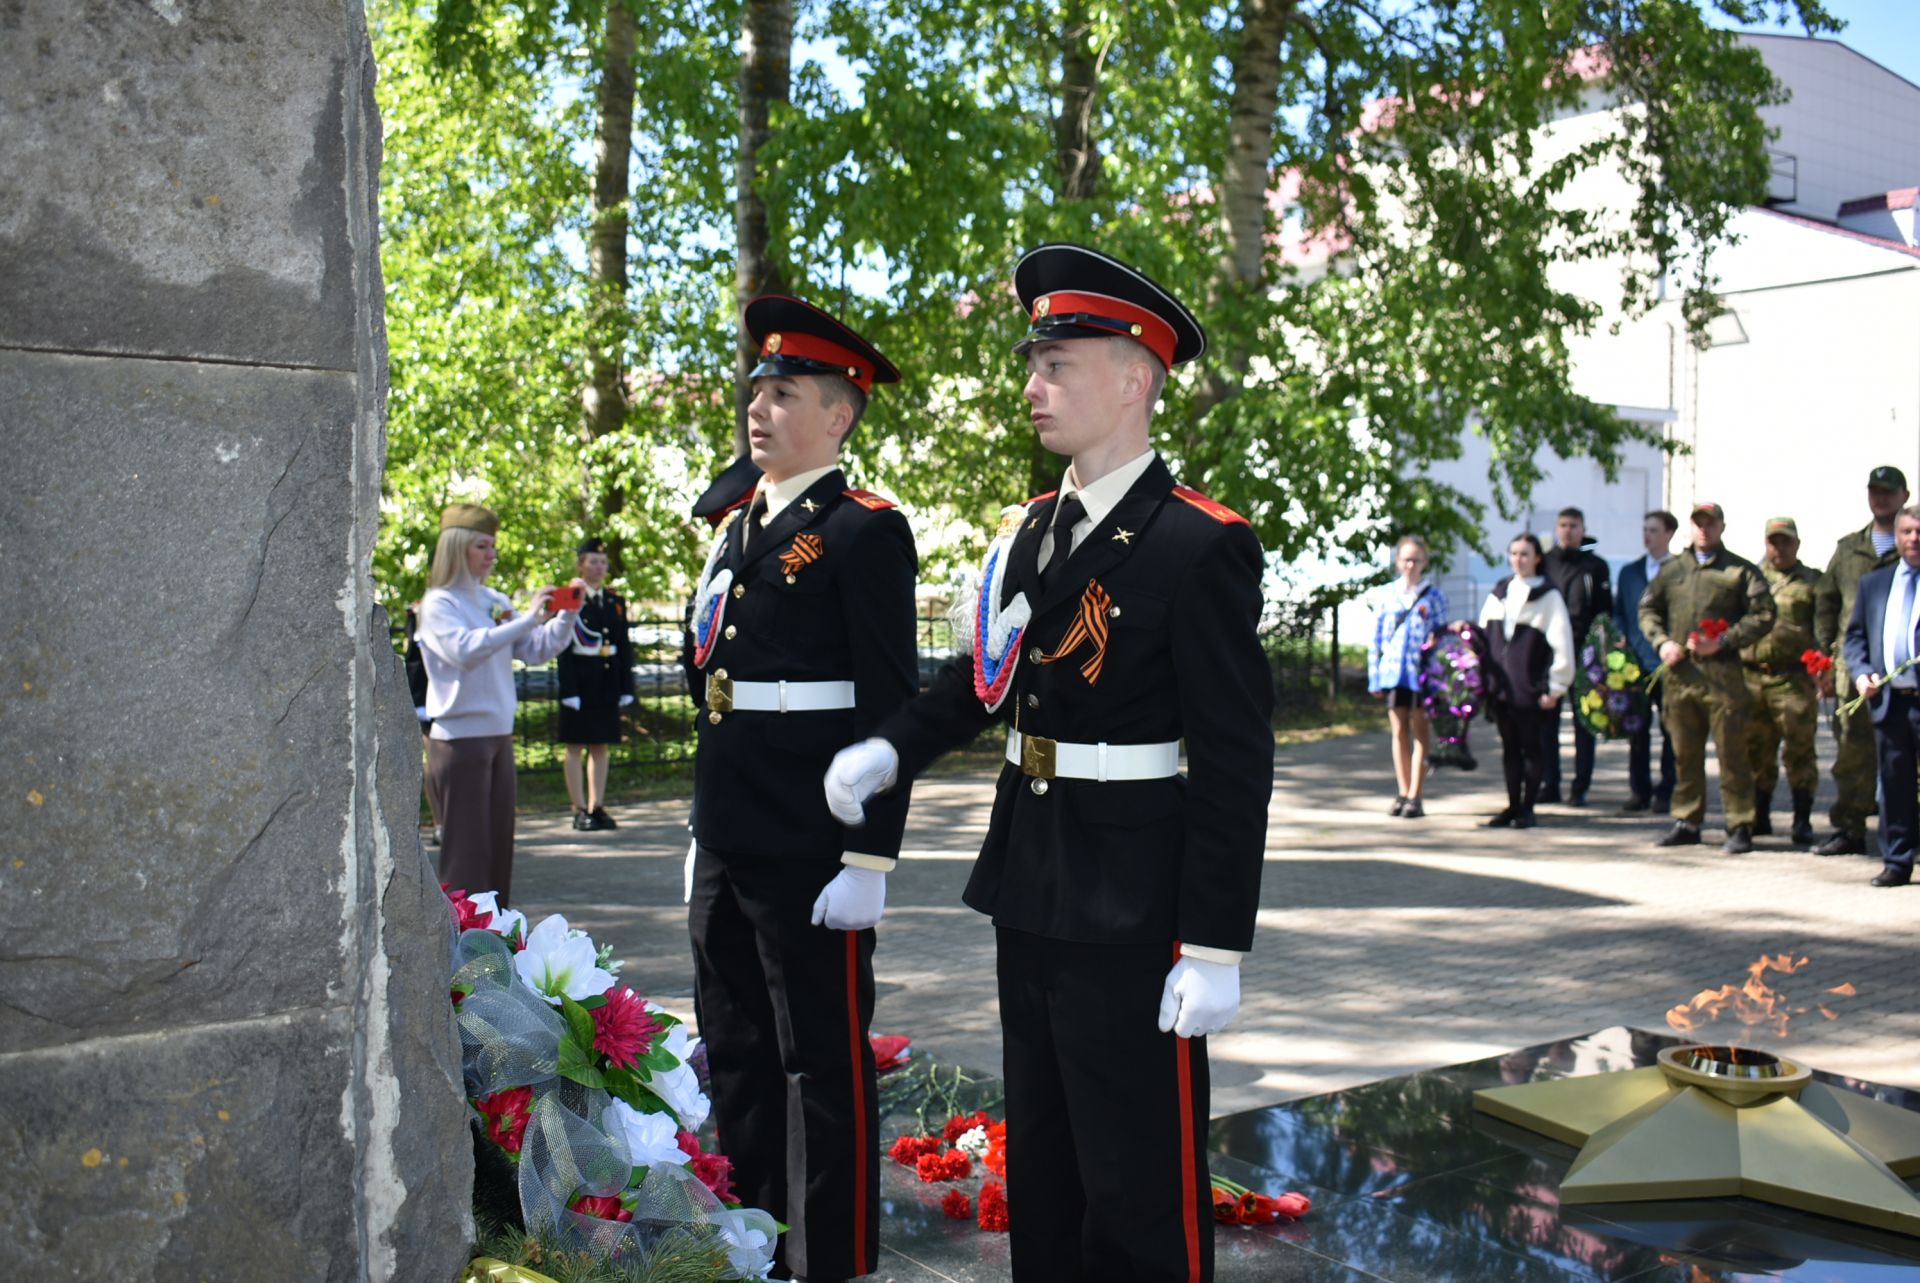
(779, 494)
(1100, 499)
(469, 657)
(1890, 629)
(1653, 566)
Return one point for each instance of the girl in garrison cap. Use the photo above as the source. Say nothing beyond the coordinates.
(470, 635)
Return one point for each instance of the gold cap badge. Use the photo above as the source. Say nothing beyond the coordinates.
(1044, 306)
(773, 343)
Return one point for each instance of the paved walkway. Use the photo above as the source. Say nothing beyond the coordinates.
(1385, 945)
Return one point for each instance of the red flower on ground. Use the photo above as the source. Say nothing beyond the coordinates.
(957, 1206)
(505, 1113)
(1250, 1208)
(960, 1124)
(953, 1165)
(890, 1051)
(715, 1171)
(605, 1206)
(623, 1028)
(908, 1150)
(993, 1207)
(996, 1159)
(1815, 662)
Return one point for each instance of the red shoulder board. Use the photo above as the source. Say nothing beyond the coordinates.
(1218, 511)
(868, 499)
(1041, 498)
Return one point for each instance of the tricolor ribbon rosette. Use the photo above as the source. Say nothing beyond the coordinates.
(997, 631)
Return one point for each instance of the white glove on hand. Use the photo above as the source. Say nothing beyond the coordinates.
(1199, 998)
(625, 700)
(856, 773)
(686, 877)
(420, 711)
(572, 702)
(855, 899)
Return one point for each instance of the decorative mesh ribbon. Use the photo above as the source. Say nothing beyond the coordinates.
(1088, 627)
(510, 1037)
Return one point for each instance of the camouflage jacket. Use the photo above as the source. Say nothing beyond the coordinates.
(1685, 593)
(1852, 558)
(1792, 635)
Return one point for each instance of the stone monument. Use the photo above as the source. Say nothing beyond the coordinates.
(226, 1049)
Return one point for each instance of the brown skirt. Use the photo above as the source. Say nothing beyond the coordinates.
(475, 782)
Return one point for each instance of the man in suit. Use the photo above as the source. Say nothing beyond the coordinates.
(1115, 617)
(1585, 582)
(1883, 637)
(596, 682)
(1657, 529)
(803, 632)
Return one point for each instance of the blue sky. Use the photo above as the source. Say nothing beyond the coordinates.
(1887, 31)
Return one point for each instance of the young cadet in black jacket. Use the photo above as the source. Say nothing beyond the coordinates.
(596, 682)
(1112, 622)
(803, 635)
(1586, 582)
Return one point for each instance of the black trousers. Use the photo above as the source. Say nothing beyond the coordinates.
(1640, 760)
(785, 1009)
(1523, 740)
(1896, 736)
(1106, 1117)
(1583, 746)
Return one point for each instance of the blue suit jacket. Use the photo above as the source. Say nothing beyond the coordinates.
(1626, 613)
(1864, 643)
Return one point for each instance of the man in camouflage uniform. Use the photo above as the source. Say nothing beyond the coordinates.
(1866, 549)
(1786, 707)
(1704, 687)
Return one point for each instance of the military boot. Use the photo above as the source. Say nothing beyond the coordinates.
(1802, 832)
(1762, 822)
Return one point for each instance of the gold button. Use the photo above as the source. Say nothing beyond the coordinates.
(714, 718)
(733, 632)
(792, 580)
(1039, 788)
(739, 591)
(1033, 701)
(1035, 655)
(721, 673)
(1113, 612)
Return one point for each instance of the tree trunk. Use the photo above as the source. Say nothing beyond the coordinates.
(604, 400)
(1245, 178)
(766, 60)
(1075, 147)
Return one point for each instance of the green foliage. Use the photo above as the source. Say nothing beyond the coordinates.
(681, 1256)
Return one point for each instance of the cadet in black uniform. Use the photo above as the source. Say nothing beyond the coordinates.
(803, 633)
(596, 682)
(1112, 622)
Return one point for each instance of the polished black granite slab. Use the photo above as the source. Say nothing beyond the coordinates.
(1410, 1185)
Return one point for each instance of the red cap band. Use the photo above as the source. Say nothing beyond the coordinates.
(1141, 324)
(810, 347)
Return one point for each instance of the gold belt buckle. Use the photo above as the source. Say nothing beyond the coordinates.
(719, 692)
(1036, 757)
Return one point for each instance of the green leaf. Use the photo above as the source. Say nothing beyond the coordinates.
(578, 1064)
(579, 1021)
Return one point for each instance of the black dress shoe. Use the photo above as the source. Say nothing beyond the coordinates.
(1503, 820)
(1413, 810)
(1524, 820)
(1892, 877)
(1843, 844)
(1550, 797)
(582, 822)
(1399, 805)
(599, 821)
(1739, 840)
(1681, 834)
(1577, 798)
(1636, 805)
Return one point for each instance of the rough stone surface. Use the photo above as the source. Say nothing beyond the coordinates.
(223, 984)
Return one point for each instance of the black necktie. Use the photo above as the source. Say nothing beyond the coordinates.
(1065, 517)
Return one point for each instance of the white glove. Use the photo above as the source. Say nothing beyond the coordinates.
(686, 877)
(854, 900)
(420, 711)
(1199, 998)
(856, 773)
(625, 700)
(572, 702)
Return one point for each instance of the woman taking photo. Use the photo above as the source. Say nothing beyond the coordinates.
(470, 636)
(1530, 649)
(1411, 610)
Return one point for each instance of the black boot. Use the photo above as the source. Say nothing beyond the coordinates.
(1762, 822)
(1802, 833)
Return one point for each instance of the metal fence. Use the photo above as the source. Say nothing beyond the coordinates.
(1300, 639)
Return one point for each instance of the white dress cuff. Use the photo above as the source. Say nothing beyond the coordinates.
(860, 860)
(1225, 957)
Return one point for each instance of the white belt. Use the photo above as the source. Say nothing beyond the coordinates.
(725, 695)
(1051, 759)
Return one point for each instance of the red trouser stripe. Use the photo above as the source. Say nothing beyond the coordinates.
(1189, 1178)
(862, 1147)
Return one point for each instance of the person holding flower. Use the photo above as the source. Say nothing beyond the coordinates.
(469, 637)
(1699, 611)
(1530, 646)
(1786, 704)
(1411, 610)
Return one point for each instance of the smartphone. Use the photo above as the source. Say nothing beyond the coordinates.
(567, 598)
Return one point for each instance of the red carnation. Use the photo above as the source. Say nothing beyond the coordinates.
(957, 1206)
(623, 1028)
(908, 1150)
(715, 1171)
(960, 1124)
(1816, 663)
(607, 1207)
(890, 1051)
(953, 1165)
(993, 1207)
(505, 1113)
(467, 917)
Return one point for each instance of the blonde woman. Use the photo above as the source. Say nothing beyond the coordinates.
(469, 637)
(1411, 610)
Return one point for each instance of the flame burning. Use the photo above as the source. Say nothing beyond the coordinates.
(1755, 1004)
